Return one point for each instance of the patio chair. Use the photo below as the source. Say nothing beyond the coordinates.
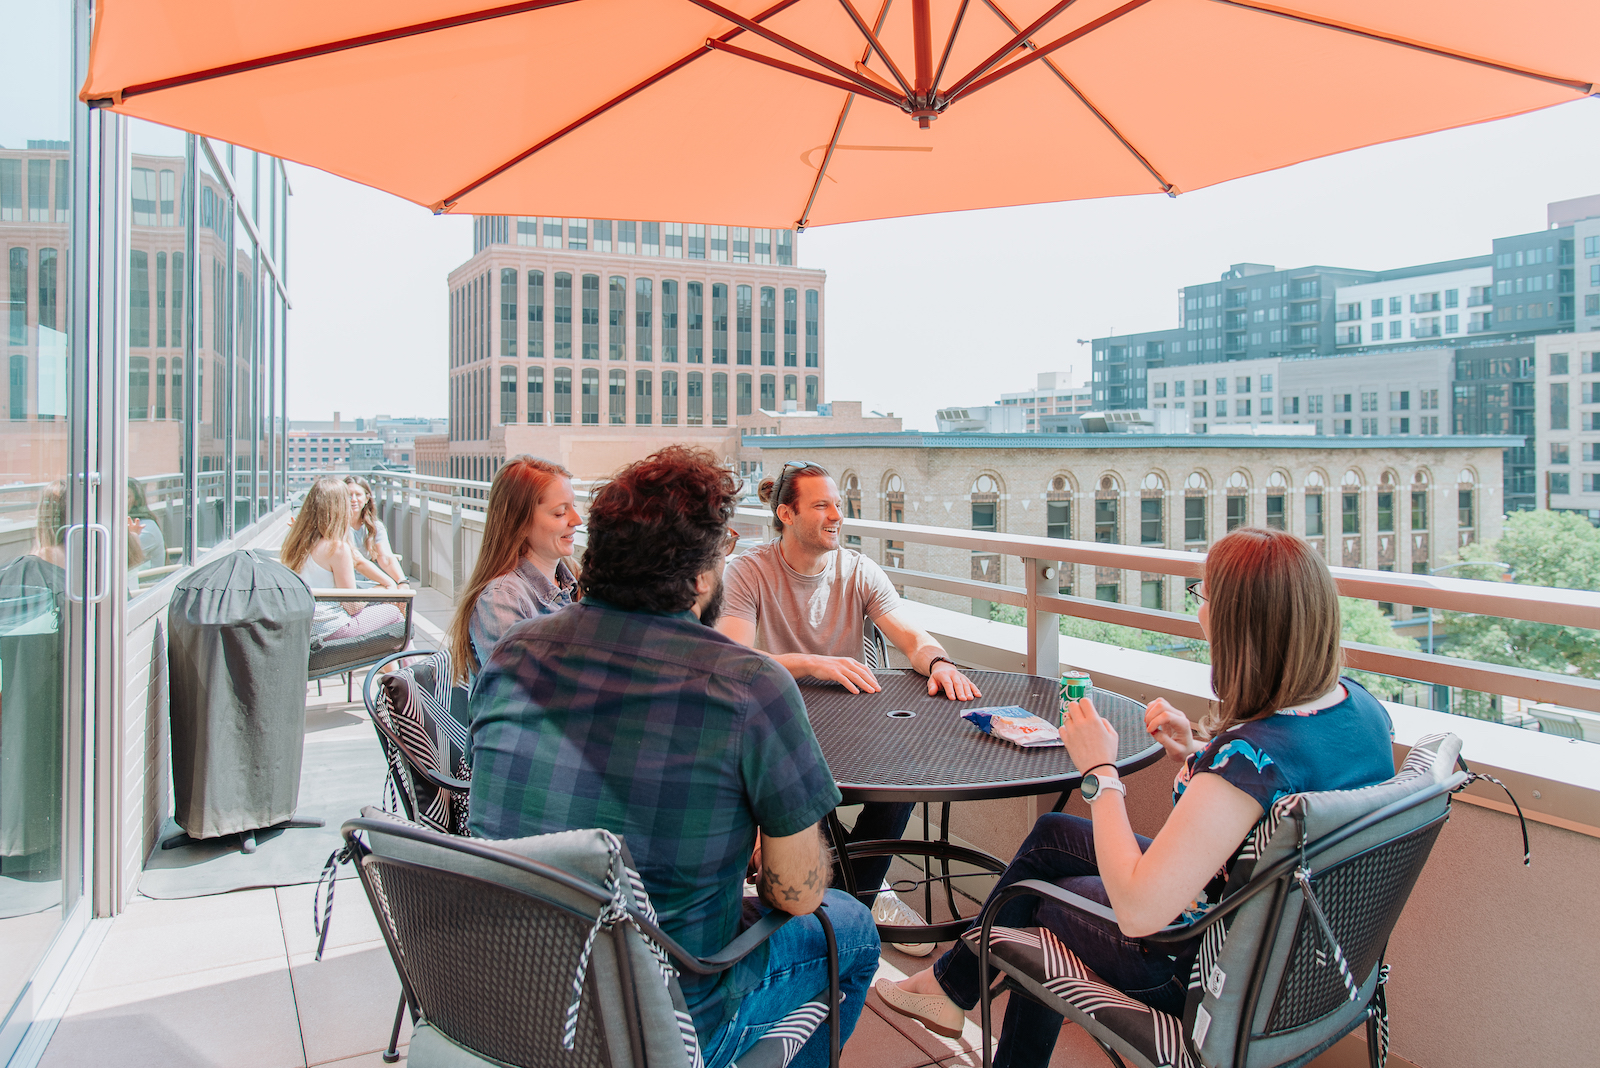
(874, 647)
(343, 656)
(546, 951)
(1291, 959)
(421, 720)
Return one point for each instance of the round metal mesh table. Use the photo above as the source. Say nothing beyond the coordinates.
(935, 755)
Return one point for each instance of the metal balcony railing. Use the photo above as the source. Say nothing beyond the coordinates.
(453, 500)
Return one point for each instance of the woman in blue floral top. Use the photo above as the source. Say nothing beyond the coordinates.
(522, 569)
(1285, 723)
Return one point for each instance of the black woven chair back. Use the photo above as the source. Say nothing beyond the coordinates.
(874, 647)
(340, 655)
(420, 719)
(488, 966)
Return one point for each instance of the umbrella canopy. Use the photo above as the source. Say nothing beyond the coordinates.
(794, 112)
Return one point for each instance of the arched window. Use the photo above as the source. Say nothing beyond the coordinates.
(138, 295)
(508, 394)
(769, 393)
(563, 318)
(790, 389)
(1466, 506)
(811, 393)
(719, 399)
(984, 500)
(742, 324)
(161, 293)
(561, 396)
(177, 388)
(1419, 509)
(161, 387)
(1152, 526)
(719, 322)
(744, 402)
(1315, 484)
(1237, 489)
(591, 321)
(138, 387)
(643, 409)
(508, 314)
(1195, 488)
(1105, 511)
(894, 511)
(617, 397)
(852, 504)
(591, 397)
(1277, 492)
(769, 326)
(1350, 503)
(1385, 507)
(617, 317)
(1058, 509)
(643, 313)
(536, 395)
(669, 398)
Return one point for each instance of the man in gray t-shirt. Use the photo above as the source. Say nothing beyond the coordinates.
(804, 599)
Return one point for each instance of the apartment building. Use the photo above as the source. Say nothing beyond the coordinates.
(1370, 395)
(1567, 418)
(1053, 394)
(595, 341)
(1417, 306)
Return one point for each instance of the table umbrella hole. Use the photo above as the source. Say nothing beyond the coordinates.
(901, 713)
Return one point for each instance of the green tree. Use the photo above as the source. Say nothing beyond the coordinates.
(1557, 549)
(1362, 621)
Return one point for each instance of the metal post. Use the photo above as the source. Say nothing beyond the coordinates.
(456, 577)
(1044, 628)
(424, 537)
(391, 484)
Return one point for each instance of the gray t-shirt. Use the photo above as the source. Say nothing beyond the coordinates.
(817, 614)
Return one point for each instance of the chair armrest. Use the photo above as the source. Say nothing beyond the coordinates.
(748, 940)
(445, 782)
(1076, 902)
(375, 593)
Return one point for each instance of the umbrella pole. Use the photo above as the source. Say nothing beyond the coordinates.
(922, 46)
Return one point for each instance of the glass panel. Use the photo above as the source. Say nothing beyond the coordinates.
(641, 399)
(719, 323)
(696, 324)
(536, 315)
(213, 341)
(743, 323)
(669, 398)
(617, 393)
(719, 399)
(563, 396)
(669, 322)
(813, 327)
(591, 316)
(617, 312)
(563, 317)
(40, 873)
(643, 310)
(591, 396)
(769, 326)
(791, 327)
(536, 395)
(694, 408)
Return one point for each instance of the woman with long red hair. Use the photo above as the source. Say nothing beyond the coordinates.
(522, 569)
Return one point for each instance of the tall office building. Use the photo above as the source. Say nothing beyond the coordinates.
(595, 341)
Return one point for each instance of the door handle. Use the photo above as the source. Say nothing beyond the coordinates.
(74, 563)
(103, 571)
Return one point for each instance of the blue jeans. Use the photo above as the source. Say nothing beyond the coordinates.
(797, 970)
(1060, 850)
(878, 819)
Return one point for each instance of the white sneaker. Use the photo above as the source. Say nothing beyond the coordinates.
(889, 910)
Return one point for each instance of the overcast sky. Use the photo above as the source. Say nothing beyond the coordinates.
(955, 309)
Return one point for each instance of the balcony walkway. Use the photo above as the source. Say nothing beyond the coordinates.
(231, 980)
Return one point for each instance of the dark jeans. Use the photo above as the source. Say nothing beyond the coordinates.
(878, 819)
(1060, 850)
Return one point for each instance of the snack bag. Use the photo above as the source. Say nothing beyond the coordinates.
(1015, 724)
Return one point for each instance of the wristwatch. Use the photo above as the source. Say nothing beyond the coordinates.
(1094, 787)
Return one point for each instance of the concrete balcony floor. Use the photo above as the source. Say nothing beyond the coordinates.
(230, 980)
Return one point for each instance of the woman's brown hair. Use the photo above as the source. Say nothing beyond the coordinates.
(787, 483)
(368, 519)
(1273, 616)
(325, 514)
(514, 496)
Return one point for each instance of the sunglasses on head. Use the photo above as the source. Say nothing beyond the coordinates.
(783, 475)
(1195, 588)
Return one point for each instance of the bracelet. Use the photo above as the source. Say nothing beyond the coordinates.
(1106, 764)
(940, 659)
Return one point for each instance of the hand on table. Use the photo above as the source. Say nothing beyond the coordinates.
(1169, 727)
(852, 674)
(1090, 739)
(947, 677)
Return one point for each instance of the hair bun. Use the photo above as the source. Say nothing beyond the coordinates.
(766, 488)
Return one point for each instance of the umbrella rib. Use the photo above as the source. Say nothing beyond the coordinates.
(450, 201)
(313, 51)
(955, 27)
(793, 68)
(798, 49)
(1166, 186)
(874, 45)
(1006, 49)
(1403, 42)
(1041, 51)
(838, 130)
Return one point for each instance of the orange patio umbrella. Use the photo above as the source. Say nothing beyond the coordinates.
(804, 112)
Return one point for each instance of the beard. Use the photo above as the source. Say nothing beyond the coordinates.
(711, 611)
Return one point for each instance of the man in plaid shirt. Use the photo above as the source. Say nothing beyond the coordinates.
(628, 711)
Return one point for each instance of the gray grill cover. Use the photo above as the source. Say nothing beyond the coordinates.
(239, 637)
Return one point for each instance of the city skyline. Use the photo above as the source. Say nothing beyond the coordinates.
(972, 304)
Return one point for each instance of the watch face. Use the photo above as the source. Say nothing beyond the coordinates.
(1091, 786)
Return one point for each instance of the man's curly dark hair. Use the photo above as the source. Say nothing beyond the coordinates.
(654, 527)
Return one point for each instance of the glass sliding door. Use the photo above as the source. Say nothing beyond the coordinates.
(49, 489)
